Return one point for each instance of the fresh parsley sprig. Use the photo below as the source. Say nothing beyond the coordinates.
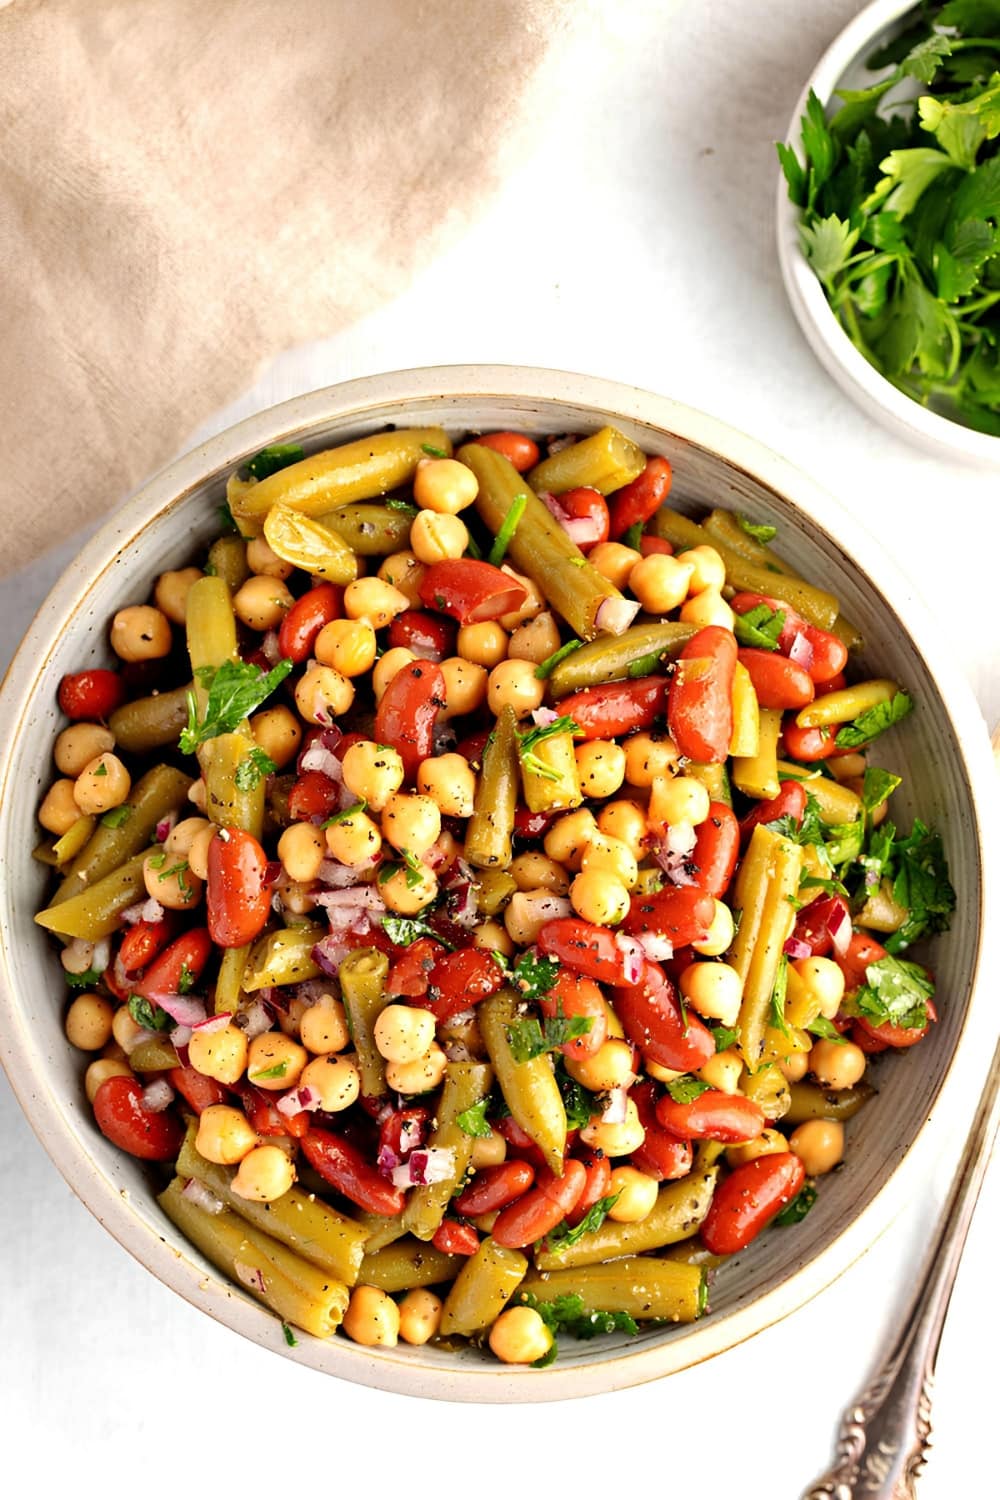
(235, 690)
(759, 627)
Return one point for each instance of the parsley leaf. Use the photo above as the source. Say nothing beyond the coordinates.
(895, 992)
(778, 996)
(278, 456)
(473, 1120)
(530, 1038)
(235, 690)
(532, 738)
(682, 1090)
(508, 526)
(874, 721)
(795, 1212)
(878, 787)
(563, 1236)
(921, 885)
(277, 1070)
(644, 665)
(845, 841)
(544, 668)
(432, 451)
(406, 930)
(760, 627)
(580, 1104)
(185, 982)
(392, 502)
(758, 530)
(534, 974)
(823, 1028)
(809, 830)
(632, 536)
(252, 769)
(117, 816)
(568, 1314)
(725, 1037)
(345, 813)
(289, 1336)
(145, 1014)
(83, 981)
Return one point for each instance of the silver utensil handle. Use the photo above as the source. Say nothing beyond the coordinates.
(884, 1436)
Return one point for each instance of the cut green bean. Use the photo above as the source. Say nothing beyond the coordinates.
(371, 530)
(151, 723)
(810, 1102)
(677, 1214)
(96, 912)
(227, 559)
(228, 803)
(162, 791)
(508, 526)
(362, 987)
(609, 659)
(466, 1084)
(482, 1289)
(645, 1287)
(489, 833)
(605, 461)
(529, 1088)
(406, 1264)
(283, 958)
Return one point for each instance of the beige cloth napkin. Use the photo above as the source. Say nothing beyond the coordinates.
(188, 187)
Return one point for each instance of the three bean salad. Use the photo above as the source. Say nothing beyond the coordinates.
(474, 891)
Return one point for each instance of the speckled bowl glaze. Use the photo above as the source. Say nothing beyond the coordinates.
(943, 753)
(843, 66)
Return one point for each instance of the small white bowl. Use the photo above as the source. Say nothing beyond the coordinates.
(843, 65)
(943, 754)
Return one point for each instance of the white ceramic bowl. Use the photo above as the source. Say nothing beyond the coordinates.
(843, 65)
(943, 753)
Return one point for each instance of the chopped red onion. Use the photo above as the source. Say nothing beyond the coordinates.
(345, 908)
(296, 1100)
(251, 1276)
(561, 441)
(544, 716)
(156, 1096)
(186, 1010)
(133, 914)
(152, 911)
(273, 871)
(102, 954)
(164, 827)
(871, 879)
(457, 1052)
(387, 1161)
(213, 1023)
(801, 650)
(583, 530)
(634, 955)
(336, 876)
(198, 1194)
(680, 838)
(797, 948)
(553, 507)
(434, 1164)
(613, 616)
(319, 758)
(255, 1020)
(462, 905)
(181, 1036)
(269, 648)
(142, 1035)
(656, 945)
(615, 1106)
(330, 952)
(839, 928)
(411, 1135)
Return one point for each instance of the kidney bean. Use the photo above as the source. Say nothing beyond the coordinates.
(471, 590)
(808, 744)
(661, 1154)
(516, 447)
(789, 803)
(143, 941)
(426, 635)
(748, 1199)
(459, 980)
(650, 544)
(408, 711)
(401, 1130)
(573, 995)
(452, 1238)
(410, 973)
(651, 1019)
(700, 704)
(197, 1090)
(122, 1117)
(887, 1034)
(778, 682)
(596, 1187)
(344, 1167)
(313, 798)
(542, 1208)
(587, 505)
(587, 948)
(260, 1110)
(636, 502)
(302, 624)
(493, 1188)
(816, 923)
(237, 895)
(713, 1116)
(616, 708)
(93, 694)
(716, 849)
(828, 654)
(187, 955)
(682, 913)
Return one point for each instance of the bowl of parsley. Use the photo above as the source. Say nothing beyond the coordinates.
(887, 216)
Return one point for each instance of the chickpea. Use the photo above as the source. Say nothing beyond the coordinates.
(795, 1066)
(723, 1071)
(569, 836)
(264, 561)
(660, 582)
(492, 938)
(198, 853)
(533, 871)
(444, 485)
(526, 914)
(447, 850)
(612, 1066)
(819, 1145)
(624, 820)
(373, 772)
(353, 839)
(297, 898)
(347, 645)
(88, 1022)
(418, 1077)
(374, 600)
(615, 1140)
(262, 603)
(302, 849)
(637, 1194)
(708, 608)
(221, 1055)
(465, 687)
(171, 591)
(610, 856)
(385, 669)
(450, 782)
(438, 538)
(124, 1029)
(323, 1027)
(405, 572)
(407, 891)
(769, 1143)
(77, 956)
(488, 1150)
(178, 841)
(275, 1062)
(648, 756)
(536, 640)
(484, 643)
(837, 1065)
(141, 633)
(533, 604)
(708, 571)
(419, 1315)
(225, 1135)
(404, 1033)
(79, 744)
(335, 1080)
(99, 1071)
(58, 810)
(715, 990)
(323, 695)
(372, 1318)
(520, 1337)
(720, 933)
(614, 561)
(103, 783)
(198, 795)
(411, 822)
(600, 765)
(845, 768)
(678, 799)
(174, 884)
(824, 981)
(263, 1175)
(278, 733)
(598, 897)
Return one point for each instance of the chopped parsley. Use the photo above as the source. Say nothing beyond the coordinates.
(563, 1236)
(277, 456)
(348, 812)
(545, 668)
(392, 502)
(277, 1070)
(795, 1212)
(252, 769)
(725, 1037)
(145, 1014)
(632, 536)
(778, 996)
(406, 930)
(186, 981)
(531, 1037)
(473, 1120)
(757, 530)
(83, 981)
(686, 1088)
(895, 993)
(821, 1027)
(759, 627)
(877, 787)
(508, 526)
(644, 665)
(433, 452)
(921, 885)
(808, 830)
(579, 1103)
(290, 1338)
(568, 1315)
(534, 974)
(117, 816)
(531, 738)
(235, 690)
(874, 721)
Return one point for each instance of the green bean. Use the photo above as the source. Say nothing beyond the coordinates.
(693, 1253)
(465, 1085)
(757, 775)
(300, 1220)
(370, 530)
(227, 803)
(765, 889)
(676, 1215)
(152, 1056)
(549, 774)
(815, 605)
(714, 778)
(482, 1289)
(810, 1102)
(380, 1231)
(76, 837)
(309, 544)
(211, 631)
(645, 1287)
(529, 1088)
(493, 889)
(300, 1293)
(609, 659)
(227, 559)
(490, 831)
(408, 1263)
(160, 792)
(229, 984)
(283, 957)
(96, 912)
(768, 1087)
(150, 723)
(362, 988)
(605, 461)
(540, 548)
(362, 470)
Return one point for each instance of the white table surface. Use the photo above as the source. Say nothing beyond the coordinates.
(637, 243)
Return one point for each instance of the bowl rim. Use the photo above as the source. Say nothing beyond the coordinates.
(817, 320)
(394, 1370)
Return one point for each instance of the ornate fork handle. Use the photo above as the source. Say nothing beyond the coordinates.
(884, 1437)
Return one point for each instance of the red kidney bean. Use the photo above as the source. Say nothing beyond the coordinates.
(617, 708)
(186, 956)
(471, 590)
(260, 1110)
(459, 980)
(426, 635)
(700, 704)
(573, 995)
(143, 941)
(789, 803)
(681, 913)
(661, 1154)
(587, 505)
(93, 694)
(313, 798)
(122, 1117)
(716, 849)
(713, 1116)
(778, 682)
(516, 447)
(816, 923)
(236, 893)
(808, 744)
(748, 1199)
(197, 1090)
(302, 624)
(542, 1208)
(408, 711)
(596, 1187)
(344, 1167)
(636, 502)
(410, 973)
(650, 544)
(587, 948)
(651, 1019)
(455, 1239)
(493, 1188)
